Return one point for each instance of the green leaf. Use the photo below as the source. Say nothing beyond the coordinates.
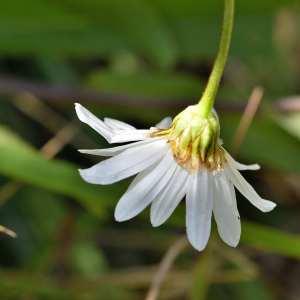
(84, 28)
(162, 31)
(264, 135)
(151, 84)
(252, 290)
(23, 284)
(206, 267)
(20, 162)
(271, 240)
(87, 259)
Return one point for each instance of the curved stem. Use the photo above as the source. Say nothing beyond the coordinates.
(207, 100)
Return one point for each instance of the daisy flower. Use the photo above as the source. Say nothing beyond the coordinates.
(175, 160)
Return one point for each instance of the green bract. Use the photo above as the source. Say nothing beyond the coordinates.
(194, 139)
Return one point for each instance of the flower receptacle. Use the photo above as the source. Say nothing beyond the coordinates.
(194, 139)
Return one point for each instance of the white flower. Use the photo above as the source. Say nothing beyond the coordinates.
(167, 175)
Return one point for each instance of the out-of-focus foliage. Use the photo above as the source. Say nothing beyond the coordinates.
(138, 61)
(22, 163)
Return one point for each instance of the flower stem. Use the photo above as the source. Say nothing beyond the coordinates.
(207, 100)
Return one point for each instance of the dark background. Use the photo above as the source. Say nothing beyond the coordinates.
(138, 61)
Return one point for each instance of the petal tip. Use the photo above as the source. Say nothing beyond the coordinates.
(77, 106)
(120, 216)
(155, 224)
(118, 219)
(85, 151)
(82, 173)
(197, 246)
(196, 242)
(155, 219)
(231, 242)
(234, 244)
(256, 167)
(269, 206)
(79, 111)
(87, 178)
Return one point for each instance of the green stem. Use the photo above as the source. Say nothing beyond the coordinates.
(206, 102)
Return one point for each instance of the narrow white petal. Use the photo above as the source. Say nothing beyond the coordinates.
(126, 164)
(117, 125)
(123, 136)
(247, 190)
(113, 133)
(199, 204)
(164, 123)
(239, 166)
(88, 118)
(140, 194)
(164, 205)
(116, 150)
(225, 211)
(140, 176)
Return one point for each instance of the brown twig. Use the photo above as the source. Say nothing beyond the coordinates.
(247, 118)
(33, 107)
(7, 231)
(52, 147)
(8, 190)
(55, 145)
(42, 113)
(58, 93)
(164, 266)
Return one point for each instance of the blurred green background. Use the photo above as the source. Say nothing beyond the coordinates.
(138, 61)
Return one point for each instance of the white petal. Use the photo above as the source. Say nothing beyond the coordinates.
(140, 176)
(112, 135)
(126, 164)
(116, 150)
(140, 194)
(199, 203)
(164, 123)
(239, 166)
(225, 211)
(117, 125)
(247, 190)
(88, 118)
(123, 136)
(163, 206)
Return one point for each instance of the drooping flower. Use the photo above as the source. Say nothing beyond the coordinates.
(174, 160)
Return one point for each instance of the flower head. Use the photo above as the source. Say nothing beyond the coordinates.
(174, 160)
